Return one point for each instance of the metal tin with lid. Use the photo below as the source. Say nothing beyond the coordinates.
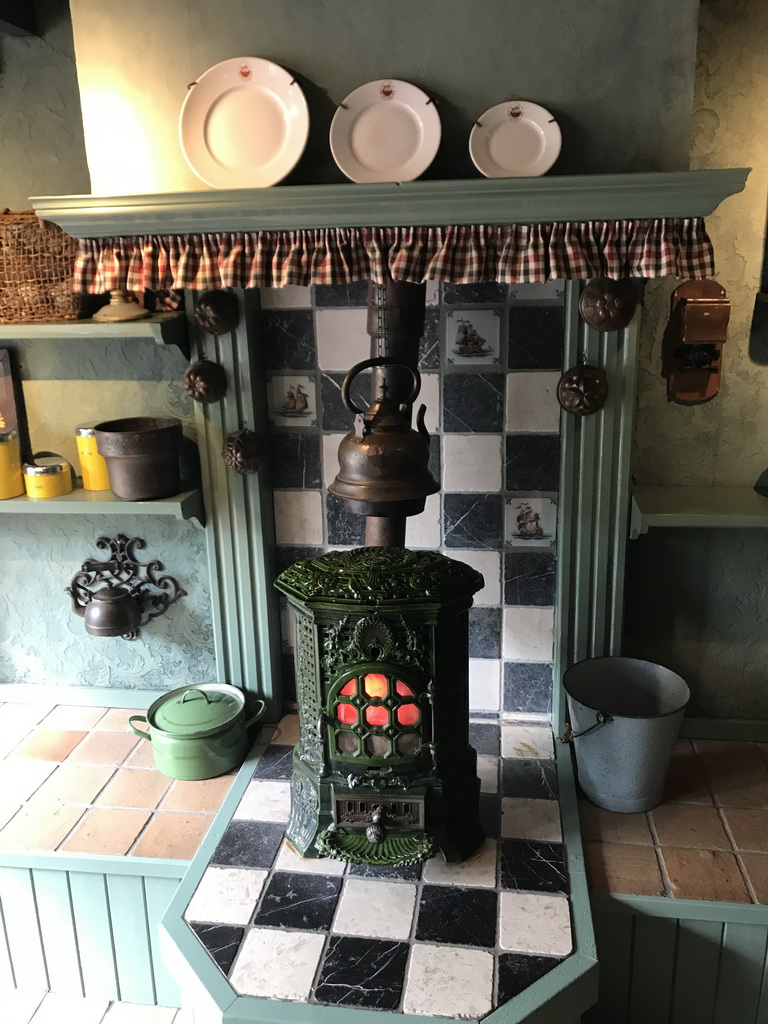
(198, 731)
(47, 477)
(11, 477)
(93, 467)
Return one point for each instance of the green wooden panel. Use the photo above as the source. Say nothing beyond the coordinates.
(696, 970)
(130, 929)
(159, 892)
(653, 964)
(57, 927)
(741, 973)
(613, 933)
(93, 926)
(7, 979)
(22, 928)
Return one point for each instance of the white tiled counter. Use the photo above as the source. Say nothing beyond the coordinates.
(256, 932)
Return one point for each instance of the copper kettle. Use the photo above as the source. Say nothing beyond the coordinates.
(109, 611)
(383, 461)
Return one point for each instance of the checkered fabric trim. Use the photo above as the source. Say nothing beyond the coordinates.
(509, 254)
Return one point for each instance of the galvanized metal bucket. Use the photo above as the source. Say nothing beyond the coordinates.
(625, 717)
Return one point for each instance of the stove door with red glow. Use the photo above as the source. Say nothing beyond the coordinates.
(377, 717)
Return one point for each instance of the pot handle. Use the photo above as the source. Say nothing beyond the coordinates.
(139, 732)
(378, 361)
(196, 693)
(258, 716)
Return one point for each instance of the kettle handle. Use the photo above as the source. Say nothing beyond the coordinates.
(378, 361)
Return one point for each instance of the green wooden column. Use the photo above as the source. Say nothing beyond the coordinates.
(594, 498)
(240, 519)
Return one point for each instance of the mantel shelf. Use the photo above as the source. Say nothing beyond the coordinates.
(163, 328)
(186, 505)
(420, 203)
(719, 507)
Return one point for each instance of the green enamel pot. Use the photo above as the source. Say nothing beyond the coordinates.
(199, 731)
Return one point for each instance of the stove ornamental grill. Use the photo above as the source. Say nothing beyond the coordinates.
(383, 772)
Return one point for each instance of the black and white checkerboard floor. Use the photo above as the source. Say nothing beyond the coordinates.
(453, 940)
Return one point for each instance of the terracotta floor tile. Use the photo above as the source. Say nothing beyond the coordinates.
(105, 748)
(689, 826)
(21, 777)
(75, 783)
(7, 811)
(41, 827)
(175, 836)
(116, 719)
(604, 826)
(615, 867)
(686, 783)
(749, 828)
(142, 757)
(757, 870)
(205, 796)
(734, 787)
(69, 716)
(50, 744)
(729, 754)
(704, 875)
(27, 715)
(134, 787)
(106, 831)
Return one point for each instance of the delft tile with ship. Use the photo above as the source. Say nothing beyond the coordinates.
(530, 522)
(472, 336)
(293, 401)
(455, 940)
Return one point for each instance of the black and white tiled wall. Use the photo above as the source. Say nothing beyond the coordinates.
(438, 939)
(490, 360)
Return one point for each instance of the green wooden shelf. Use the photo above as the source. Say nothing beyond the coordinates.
(719, 507)
(472, 201)
(162, 328)
(186, 505)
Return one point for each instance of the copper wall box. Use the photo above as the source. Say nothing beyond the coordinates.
(217, 312)
(133, 592)
(383, 462)
(244, 452)
(608, 305)
(205, 381)
(696, 333)
(582, 390)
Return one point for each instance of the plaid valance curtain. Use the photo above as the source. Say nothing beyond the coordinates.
(509, 254)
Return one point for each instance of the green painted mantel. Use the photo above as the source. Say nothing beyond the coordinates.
(422, 203)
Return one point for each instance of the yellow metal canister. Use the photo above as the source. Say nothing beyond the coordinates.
(11, 478)
(93, 467)
(47, 477)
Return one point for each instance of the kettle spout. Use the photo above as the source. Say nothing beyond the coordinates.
(420, 422)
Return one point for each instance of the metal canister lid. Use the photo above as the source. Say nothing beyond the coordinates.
(6, 436)
(46, 466)
(85, 430)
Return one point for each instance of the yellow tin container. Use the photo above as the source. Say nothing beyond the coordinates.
(93, 467)
(11, 477)
(47, 477)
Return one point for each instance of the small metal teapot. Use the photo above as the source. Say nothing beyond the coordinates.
(383, 461)
(109, 611)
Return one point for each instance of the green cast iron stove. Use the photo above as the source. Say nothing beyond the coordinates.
(383, 772)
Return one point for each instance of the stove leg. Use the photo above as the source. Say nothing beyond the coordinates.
(385, 531)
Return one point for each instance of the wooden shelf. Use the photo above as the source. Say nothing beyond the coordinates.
(186, 505)
(473, 201)
(162, 328)
(718, 507)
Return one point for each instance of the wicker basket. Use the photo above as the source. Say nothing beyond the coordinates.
(36, 264)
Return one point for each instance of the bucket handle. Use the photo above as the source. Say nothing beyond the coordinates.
(601, 718)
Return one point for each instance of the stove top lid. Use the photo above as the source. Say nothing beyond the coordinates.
(378, 575)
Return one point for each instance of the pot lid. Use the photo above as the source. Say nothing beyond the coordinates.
(196, 710)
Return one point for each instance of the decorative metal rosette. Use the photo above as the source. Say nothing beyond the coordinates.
(244, 452)
(608, 305)
(205, 381)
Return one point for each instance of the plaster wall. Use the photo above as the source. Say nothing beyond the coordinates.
(617, 76)
(696, 598)
(41, 131)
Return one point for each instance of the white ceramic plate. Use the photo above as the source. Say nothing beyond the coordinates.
(244, 124)
(514, 140)
(385, 131)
